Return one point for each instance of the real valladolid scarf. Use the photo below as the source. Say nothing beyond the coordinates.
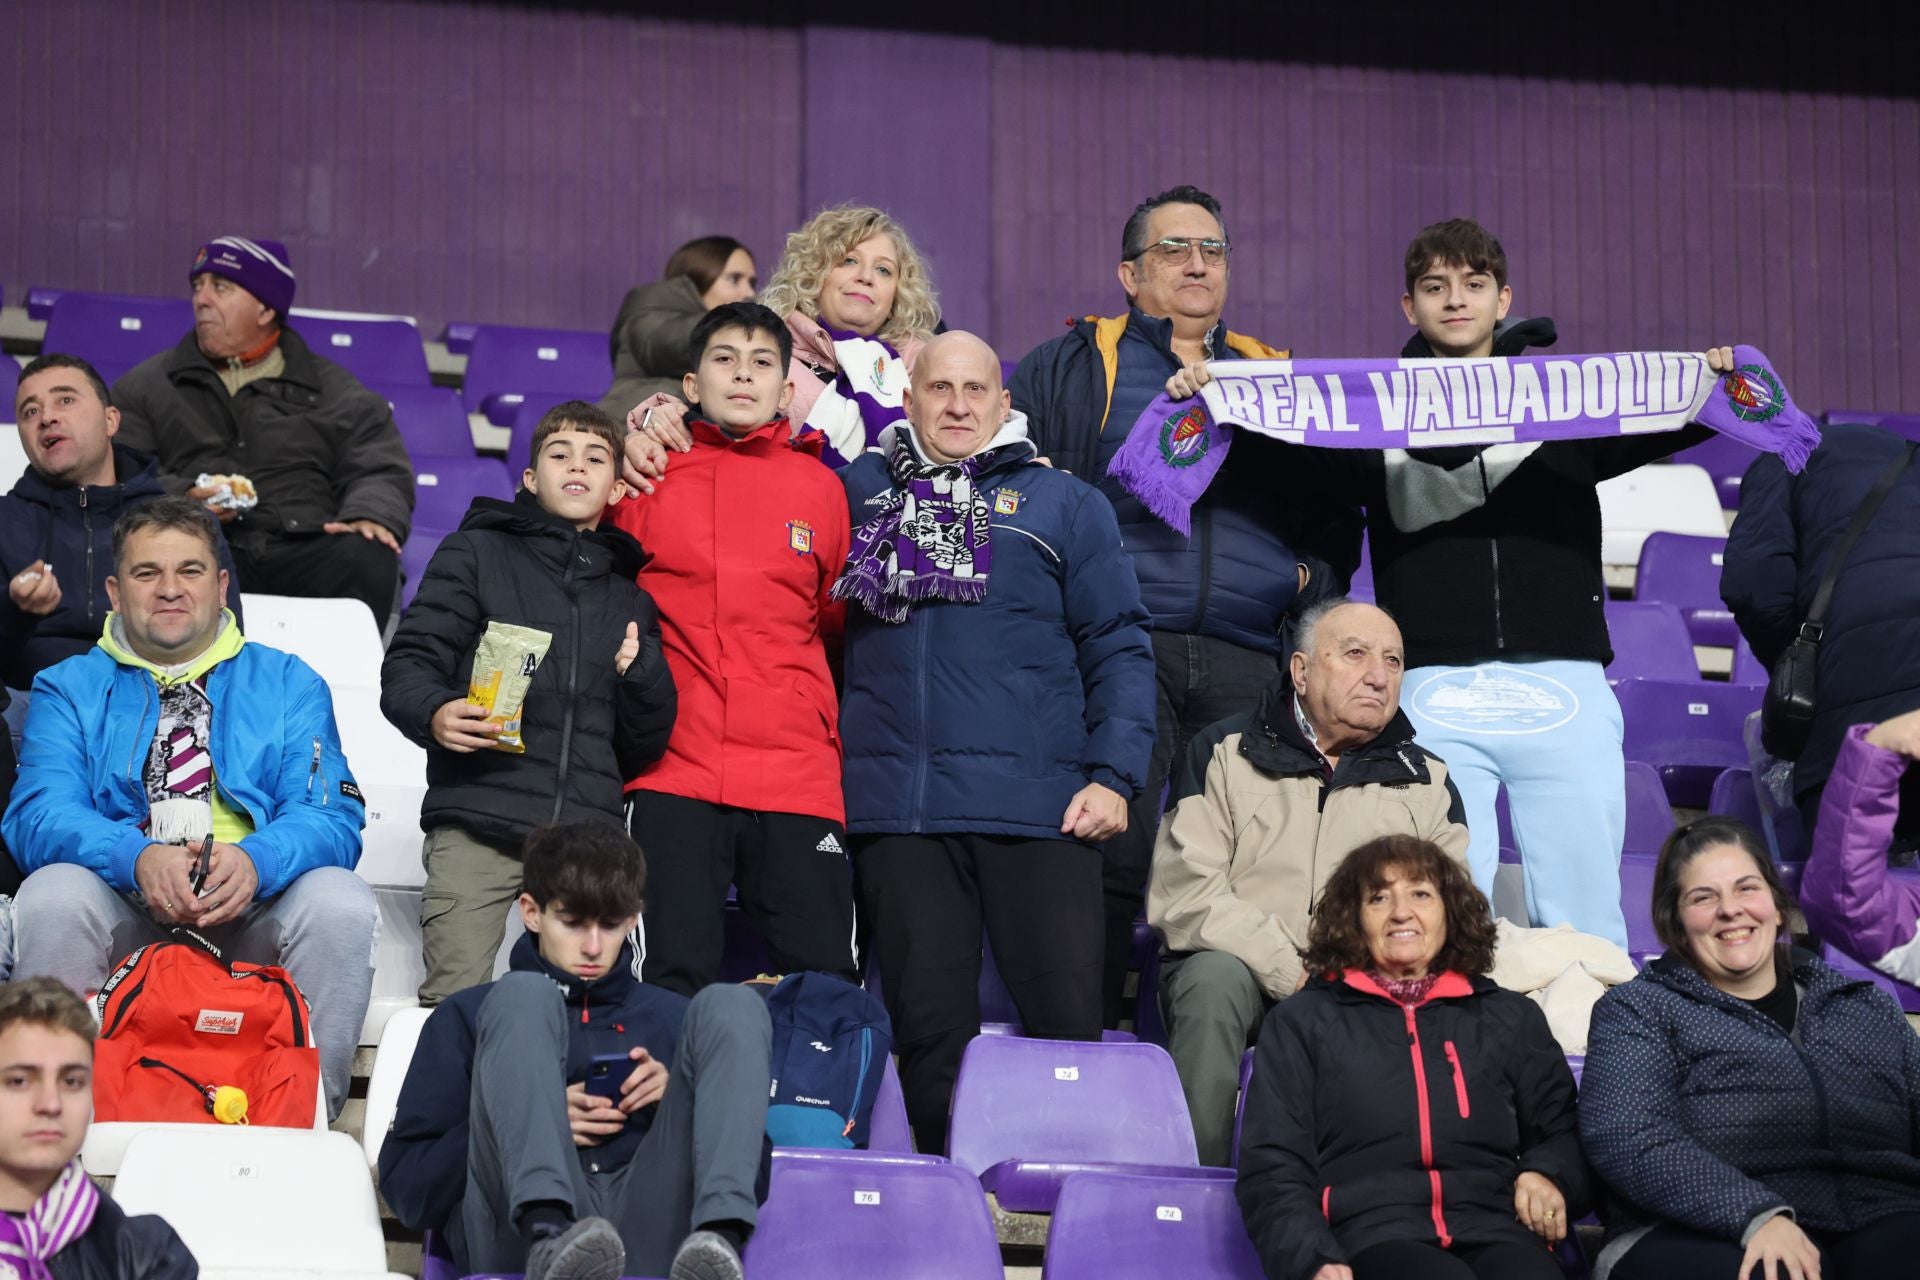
(1176, 446)
(934, 540)
(862, 400)
(56, 1220)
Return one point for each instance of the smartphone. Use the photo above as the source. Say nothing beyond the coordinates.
(606, 1072)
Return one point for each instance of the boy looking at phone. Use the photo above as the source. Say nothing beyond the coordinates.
(568, 1120)
(582, 642)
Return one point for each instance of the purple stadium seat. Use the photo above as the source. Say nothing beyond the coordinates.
(431, 419)
(1636, 903)
(1649, 815)
(1240, 1106)
(457, 336)
(1746, 668)
(826, 1219)
(9, 383)
(996, 1002)
(1006, 370)
(383, 349)
(1026, 1113)
(1110, 1036)
(1726, 460)
(1685, 571)
(1649, 639)
(1148, 1024)
(888, 1130)
(1577, 1063)
(1782, 817)
(1688, 730)
(445, 487)
(1120, 1226)
(507, 364)
(1907, 996)
(1734, 797)
(743, 953)
(114, 332)
(40, 300)
(1361, 588)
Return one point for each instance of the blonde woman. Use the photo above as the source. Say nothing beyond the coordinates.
(860, 303)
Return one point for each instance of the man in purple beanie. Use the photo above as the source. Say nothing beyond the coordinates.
(302, 465)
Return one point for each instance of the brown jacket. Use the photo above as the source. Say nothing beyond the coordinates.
(1254, 827)
(649, 341)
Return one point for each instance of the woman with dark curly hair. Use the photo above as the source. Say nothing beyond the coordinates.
(1407, 1119)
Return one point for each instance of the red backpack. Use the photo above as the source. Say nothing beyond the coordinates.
(181, 1028)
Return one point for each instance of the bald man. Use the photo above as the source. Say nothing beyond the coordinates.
(1265, 806)
(997, 721)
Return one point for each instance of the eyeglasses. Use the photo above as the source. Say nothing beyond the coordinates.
(1175, 250)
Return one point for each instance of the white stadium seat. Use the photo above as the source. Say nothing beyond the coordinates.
(266, 1204)
(399, 963)
(105, 1149)
(13, 458)
(1662, 498)
(336, 637)
(390, 846)
(376, 751)
(397, 1042)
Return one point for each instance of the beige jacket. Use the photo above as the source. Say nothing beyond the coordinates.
(1254, 828)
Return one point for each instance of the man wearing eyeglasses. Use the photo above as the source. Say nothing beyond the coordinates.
(1218, 597)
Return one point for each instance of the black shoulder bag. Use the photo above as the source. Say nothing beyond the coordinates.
(1786, 714)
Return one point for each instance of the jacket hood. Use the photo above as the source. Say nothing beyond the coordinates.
(136, 475)
(524, 517)
(1012, 431)
(611, 990)
(1274, 744)
(1511, 337)
(226, 643)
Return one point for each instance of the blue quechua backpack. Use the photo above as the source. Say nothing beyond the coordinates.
(830, 1045)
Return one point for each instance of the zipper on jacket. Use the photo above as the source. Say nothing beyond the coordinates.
(917, 815)
(313, 770)
(1459, 1081)
(573, 677)
(86, 530)
(1426, 1126)
(1493, 546)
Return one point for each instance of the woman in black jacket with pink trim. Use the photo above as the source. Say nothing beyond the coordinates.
(1408, 1119)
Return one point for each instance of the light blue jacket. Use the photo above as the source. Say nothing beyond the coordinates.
(80, 797)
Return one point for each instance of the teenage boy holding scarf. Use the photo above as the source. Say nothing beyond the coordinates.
(1488, 556)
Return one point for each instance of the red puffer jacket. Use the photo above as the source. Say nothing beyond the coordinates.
(747, 536)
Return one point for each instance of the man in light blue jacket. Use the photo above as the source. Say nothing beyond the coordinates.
(176, 775)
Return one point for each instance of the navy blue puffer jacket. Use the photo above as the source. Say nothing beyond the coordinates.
(988, 717)
(1697, 1109)
(1869, 667)
(1234, 577)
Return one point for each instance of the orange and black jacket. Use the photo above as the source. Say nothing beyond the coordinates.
(1369, 1121)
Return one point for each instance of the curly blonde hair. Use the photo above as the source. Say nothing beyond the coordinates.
(819, 245)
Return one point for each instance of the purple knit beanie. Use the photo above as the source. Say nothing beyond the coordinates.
(258, 266)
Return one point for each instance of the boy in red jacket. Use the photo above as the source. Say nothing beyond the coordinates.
(747, 533)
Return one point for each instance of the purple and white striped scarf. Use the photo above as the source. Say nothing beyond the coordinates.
(932, 541)
(1177, 446)
(862, 400)
(56, 1220)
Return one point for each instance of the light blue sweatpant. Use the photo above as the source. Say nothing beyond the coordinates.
(1550, 733)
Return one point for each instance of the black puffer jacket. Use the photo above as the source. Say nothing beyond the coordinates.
(587, 728)
(117, 1247)
(1518, 571)
(1368, 1121)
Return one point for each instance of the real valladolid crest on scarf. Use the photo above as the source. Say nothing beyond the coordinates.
(1177, 446)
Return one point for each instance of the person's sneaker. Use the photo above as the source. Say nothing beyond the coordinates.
(588, 1250)
(704, 1255)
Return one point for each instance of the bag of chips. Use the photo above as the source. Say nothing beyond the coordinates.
(503, 667)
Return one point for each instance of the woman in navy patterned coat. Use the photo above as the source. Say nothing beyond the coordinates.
(1752, 1111)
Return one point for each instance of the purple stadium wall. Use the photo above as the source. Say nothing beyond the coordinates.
(463, 161)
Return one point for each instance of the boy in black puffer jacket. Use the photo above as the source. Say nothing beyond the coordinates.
(599, 706)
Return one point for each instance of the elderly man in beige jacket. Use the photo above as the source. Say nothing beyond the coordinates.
(1265, 806)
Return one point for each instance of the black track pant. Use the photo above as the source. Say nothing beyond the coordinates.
(926, 899)
(789, 872)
